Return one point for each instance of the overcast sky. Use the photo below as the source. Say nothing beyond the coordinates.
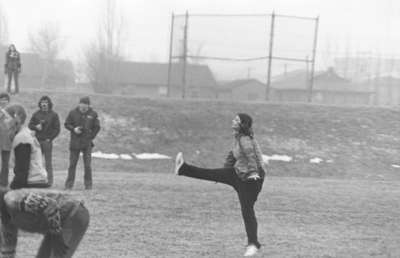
(358, 25)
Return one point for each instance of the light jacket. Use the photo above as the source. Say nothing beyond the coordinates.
(37, 174)
(246, 158)
(6, 132)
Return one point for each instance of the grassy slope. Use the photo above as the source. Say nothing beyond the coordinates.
(162, 215)
(362, 142)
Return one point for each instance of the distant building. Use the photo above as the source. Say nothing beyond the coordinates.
(242, 90)
(363, 68)
(151, 79)
(328, 88)
(387, 90)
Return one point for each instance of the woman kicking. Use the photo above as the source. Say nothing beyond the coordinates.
(62, 220)
(243, 170)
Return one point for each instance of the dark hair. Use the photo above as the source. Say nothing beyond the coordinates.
(245, 124)
(5, 95)
(9, 47)
(46, 98)
(17, 109)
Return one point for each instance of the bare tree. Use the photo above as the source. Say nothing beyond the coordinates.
(103, 56)
(47, 43)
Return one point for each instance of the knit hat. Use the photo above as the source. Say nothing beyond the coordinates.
(85, 100)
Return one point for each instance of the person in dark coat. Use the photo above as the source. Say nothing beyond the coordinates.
(46, 124)
(12, 67)
(84, 125)
(61, 218)
(243, 170)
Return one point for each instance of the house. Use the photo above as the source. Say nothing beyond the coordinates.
(242, 90)
(328, 88)
(151, 80)
(366, 66)
(387, 90)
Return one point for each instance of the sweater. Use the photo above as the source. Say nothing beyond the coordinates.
(35, 211)
(246, 158)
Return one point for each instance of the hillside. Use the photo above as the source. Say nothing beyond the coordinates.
(351, 142)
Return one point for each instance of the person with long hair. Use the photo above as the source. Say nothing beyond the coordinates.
(12, 67)
(244, 170)
(26, 153)
(46, 125)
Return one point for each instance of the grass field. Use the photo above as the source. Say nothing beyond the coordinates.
(162, 215)
(348, 207)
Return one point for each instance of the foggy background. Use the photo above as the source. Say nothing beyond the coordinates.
(345, 25)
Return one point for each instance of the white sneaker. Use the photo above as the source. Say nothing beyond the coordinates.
(178, 162)
(251, 250)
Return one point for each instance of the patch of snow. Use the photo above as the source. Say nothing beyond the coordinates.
(125, 156)
(284, 158)
(101, 155)
(329, 161)
(316, 160)
(151, 156)
(395, 166)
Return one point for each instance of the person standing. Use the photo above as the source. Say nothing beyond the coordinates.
(46, 125)
(84, 125)
(5, 138)
(12, 68)
(61, 218)
(25, 150)
(243, 170)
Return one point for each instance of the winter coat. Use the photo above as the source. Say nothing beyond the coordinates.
(246, 158)
(27, 157)
(50, 124)
(13, 61)
(88, 122)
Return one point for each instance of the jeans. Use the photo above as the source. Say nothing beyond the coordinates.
(47, 150)
(247, 193)
(73, 160)
(5, 159)
(11, 74)
(74, 229)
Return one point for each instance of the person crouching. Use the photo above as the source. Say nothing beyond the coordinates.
(62, 219)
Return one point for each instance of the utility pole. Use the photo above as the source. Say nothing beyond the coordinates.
(171, 38)
(311, 82)
(184, 55)
(271, 45)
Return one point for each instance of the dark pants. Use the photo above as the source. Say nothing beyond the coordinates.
(11, 74)
(5, 159)
(73, 231)
(73, 160)
(247, 192)
(47, 150)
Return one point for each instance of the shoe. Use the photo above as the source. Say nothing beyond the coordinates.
(88, 187)
(251, 250)
(178, 162)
